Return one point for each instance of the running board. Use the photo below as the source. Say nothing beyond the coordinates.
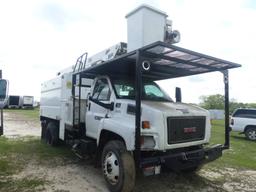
(84, 147)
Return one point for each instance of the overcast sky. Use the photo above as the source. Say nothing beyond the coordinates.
(38, 38)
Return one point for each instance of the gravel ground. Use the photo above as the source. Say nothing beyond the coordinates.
(80, 176)
(16, 125)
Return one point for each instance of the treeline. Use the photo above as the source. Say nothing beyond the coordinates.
(217, 102)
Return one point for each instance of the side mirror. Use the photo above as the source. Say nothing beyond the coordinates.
(111, 106)
(3, 92)
(178, 94)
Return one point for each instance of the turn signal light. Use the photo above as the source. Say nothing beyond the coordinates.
(145, 125)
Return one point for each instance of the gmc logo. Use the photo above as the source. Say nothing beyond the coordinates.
(189, 129)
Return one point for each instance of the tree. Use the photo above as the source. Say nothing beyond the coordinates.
(217, 102)
(212, 101)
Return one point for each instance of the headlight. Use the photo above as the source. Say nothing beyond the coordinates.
(147, 142)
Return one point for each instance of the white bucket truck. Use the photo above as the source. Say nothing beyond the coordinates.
(109, 105)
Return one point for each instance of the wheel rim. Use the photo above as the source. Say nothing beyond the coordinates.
(111, 168)
(252, 134)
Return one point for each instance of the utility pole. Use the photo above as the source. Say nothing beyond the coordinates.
(1, 112)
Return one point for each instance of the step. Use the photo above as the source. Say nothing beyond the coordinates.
(85, 147)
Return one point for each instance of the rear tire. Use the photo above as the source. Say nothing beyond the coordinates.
(43, 130)
(118, 167)
(52, 134)
(250, 133)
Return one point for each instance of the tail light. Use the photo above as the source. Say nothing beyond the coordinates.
(232, 122)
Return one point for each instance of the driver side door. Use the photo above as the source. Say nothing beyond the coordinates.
(95, 113)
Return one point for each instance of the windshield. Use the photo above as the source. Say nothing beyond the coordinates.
(125, 89)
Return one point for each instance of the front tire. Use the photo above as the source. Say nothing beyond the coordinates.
(250, 133)
(118, 167)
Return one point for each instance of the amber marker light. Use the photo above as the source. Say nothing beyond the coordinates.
(145, 125)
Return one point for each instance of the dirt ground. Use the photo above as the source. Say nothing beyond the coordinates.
(79, 175)
(18, 126)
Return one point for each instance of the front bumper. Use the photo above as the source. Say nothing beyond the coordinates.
(184, 160)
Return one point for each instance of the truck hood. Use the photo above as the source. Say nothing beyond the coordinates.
(157, 113)
(174, 109)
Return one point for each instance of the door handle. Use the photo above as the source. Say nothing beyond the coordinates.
(89, 106)
(98, 118)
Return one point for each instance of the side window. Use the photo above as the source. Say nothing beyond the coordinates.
(236, 113)
(101, 90)
(243, 113)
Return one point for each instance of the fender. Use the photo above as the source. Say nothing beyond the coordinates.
(118, 127)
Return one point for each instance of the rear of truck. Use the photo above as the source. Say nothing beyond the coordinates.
(50, 103)
(50, 109)
(56, 107)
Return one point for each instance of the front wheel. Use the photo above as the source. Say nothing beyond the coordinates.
(118, 167)
(250, 133)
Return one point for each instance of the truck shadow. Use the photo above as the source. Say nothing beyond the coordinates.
(175, 182)
(240, 137)
(166, 182)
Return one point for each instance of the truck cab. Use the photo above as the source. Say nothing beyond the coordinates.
(159, 112)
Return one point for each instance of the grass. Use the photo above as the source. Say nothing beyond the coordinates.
(15, 154)
(31, 145)
(23, 184)
(242, 152)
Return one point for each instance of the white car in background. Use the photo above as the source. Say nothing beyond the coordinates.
(244, 121)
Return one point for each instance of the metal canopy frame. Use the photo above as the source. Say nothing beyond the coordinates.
(1, 114)
(166, 62)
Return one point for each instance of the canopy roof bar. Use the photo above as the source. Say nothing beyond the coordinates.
(167, 61)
